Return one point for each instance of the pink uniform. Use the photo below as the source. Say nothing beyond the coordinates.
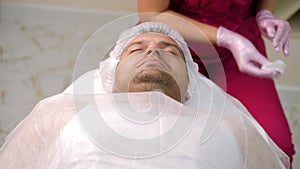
(258, 95)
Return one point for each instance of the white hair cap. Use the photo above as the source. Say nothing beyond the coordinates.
(108, 66)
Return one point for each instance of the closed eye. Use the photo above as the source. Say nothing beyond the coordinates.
(135, 50)
(172, 50)
(174, 53)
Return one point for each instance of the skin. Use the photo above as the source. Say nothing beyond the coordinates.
(161, 13)
(152, 61)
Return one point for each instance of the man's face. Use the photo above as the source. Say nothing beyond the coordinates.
(152, 61)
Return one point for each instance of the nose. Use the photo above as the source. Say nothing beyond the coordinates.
(153, 52)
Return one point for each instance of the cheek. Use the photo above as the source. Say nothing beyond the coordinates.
(129, 61)
(179, 72)
(126, 68)
(123, 71)
(177, 65)
(183, 76)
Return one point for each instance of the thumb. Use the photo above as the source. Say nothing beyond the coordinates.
(253, 70)
(260, 59)
(271, 31)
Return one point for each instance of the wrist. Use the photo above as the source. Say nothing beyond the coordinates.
(225, 38)
(236, 43)
(262, 14)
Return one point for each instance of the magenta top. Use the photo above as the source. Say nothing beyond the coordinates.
(235, 15)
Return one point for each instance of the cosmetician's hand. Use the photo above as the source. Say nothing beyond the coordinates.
(247, 57)
(276, 30)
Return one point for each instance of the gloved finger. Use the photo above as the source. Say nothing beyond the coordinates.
(271, 74)
(267, 28)
(285, 42)
(286, 48)
(281, 36)
(254, 67)
(271, 31)
(259, 59)
(261, 73)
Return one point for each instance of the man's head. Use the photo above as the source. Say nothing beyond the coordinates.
(149, 57)
(152, 61)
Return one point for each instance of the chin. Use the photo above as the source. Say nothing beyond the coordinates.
(155, 80)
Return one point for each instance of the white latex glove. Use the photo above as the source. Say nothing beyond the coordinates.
(247, 57)
(276, 30)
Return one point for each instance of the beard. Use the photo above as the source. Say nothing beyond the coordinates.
(155, 80)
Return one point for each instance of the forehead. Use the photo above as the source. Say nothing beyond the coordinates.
(153, 36)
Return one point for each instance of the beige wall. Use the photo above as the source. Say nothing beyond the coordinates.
(123, 5)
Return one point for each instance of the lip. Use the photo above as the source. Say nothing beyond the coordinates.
(151, 62)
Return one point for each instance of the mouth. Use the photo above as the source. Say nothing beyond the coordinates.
(153, 63)
(149, 62)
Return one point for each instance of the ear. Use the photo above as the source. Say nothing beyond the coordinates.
(187, 96)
